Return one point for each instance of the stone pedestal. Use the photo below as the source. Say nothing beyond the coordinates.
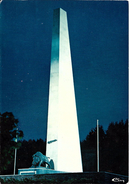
(40, 170)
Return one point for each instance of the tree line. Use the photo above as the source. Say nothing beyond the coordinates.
(113, 149)
(113, 144)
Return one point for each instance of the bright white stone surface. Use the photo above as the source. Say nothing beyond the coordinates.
(62, 124)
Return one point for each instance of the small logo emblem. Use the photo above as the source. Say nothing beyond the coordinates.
(118, 180)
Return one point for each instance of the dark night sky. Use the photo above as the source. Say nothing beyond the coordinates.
(99, 47)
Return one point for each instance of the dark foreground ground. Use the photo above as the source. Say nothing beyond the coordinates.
(64, 178)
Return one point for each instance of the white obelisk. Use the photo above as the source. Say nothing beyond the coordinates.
(63, 144)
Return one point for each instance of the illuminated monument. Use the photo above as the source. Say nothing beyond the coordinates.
(63, 144)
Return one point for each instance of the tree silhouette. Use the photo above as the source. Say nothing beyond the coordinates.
(116, 147)
(91, 139)
(8, 136)
(113, 145)
(89, 148)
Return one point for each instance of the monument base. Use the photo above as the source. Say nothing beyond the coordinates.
(84, 177)
(38, 170)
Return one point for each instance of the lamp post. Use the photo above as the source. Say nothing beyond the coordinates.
(15, 151)
(97, 145)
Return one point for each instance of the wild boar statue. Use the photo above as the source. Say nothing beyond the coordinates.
(40, 160)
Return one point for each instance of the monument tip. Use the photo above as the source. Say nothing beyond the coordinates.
(59, 9)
